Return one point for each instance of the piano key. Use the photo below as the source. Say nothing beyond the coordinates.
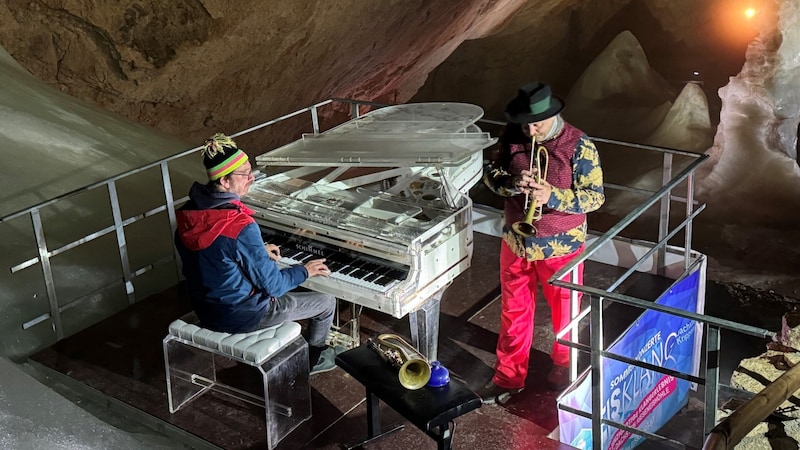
(372, 277)
(395, 274)
(288, 252)
(361, 273)
(371, 267)
(305, 257)
(348, 270)
(361, 283)
(383, 280)
(334, 265)
(346, 265)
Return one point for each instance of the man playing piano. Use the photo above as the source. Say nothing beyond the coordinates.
(233, 282)
(569, 184)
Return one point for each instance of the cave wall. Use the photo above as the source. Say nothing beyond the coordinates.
(194, 67)
(539, 42)
(557, 44)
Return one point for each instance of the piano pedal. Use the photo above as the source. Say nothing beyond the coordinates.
(337, 337)
(341, 340)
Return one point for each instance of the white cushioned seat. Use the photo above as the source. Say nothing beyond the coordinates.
(279, 354)
(256, 346)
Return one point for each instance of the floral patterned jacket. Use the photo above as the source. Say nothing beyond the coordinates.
(573, 170)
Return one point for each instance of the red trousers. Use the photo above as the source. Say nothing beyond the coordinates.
(518, 281)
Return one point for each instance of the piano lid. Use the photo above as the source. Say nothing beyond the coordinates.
(414, 134)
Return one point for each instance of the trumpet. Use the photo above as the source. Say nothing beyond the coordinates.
(414, 371)
(533, 212)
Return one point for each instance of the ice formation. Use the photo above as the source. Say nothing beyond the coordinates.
(754, 176)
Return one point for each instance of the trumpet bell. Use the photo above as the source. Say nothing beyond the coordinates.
(524, 229)
(414, 374)
(414, 370)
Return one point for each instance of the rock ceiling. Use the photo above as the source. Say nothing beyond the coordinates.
(193, 67)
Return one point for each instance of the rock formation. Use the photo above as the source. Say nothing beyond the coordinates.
(753, 374)
(194, 67)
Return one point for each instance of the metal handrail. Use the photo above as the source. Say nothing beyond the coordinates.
(730, 431)
(44, 254)
(627, 220)
(167, 159)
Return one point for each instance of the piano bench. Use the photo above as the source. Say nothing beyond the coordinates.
(277, 356)
(432, 410)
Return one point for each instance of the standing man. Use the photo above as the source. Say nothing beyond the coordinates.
(571, 185)
(233, 282)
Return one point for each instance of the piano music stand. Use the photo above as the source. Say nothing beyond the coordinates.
(432, 410)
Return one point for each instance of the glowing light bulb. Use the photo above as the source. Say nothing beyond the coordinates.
(750, 13)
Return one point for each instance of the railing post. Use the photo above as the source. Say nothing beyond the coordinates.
(575, 309)
(712, 378)
(596, 327)
(315, 119)
(47, 272)
(687, 242)
(663, 216)
(170, 204)
(119, 227)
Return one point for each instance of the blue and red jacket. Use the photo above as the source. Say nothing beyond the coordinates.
(231, 279)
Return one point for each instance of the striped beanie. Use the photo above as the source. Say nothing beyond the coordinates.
(221, 156)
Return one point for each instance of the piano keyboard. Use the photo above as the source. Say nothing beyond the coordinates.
(346, 265)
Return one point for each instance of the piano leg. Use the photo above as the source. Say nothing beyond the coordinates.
(424, 324)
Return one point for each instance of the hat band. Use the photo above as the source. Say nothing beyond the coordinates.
(229, 165)
(540, 106)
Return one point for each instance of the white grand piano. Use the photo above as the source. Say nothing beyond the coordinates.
(383, 198)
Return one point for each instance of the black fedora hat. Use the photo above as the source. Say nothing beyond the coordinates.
(534, 102)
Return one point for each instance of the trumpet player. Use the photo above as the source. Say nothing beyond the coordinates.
(563, 188)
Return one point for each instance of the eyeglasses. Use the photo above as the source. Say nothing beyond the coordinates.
(247, 174)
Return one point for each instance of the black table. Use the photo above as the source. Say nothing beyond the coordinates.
(432, 410)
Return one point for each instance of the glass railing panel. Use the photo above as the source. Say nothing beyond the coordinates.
(72, 219)
(93, 307)
(149, 240)
(140, 192)
(86, 269)
(24, 305)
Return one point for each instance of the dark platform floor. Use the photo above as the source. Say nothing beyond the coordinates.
(121, 357)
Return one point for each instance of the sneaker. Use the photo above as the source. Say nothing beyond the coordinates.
(558, 378)
(491, 393)
(325, 363)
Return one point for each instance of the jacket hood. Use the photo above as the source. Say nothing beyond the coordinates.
(209, 215)
(207, 198)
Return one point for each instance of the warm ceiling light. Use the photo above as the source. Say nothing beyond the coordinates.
(749, 13)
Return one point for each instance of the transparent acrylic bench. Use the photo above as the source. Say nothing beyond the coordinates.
(279, 354)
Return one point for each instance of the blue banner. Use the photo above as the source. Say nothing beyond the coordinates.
(640, 398)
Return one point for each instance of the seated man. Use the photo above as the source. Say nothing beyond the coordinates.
(233, 282)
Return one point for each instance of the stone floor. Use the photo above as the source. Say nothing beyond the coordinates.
(121, 358)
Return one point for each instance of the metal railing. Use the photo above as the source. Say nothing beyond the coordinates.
(601, 297)
(128, 275)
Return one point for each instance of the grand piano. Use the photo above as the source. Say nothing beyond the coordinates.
(383, 198)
